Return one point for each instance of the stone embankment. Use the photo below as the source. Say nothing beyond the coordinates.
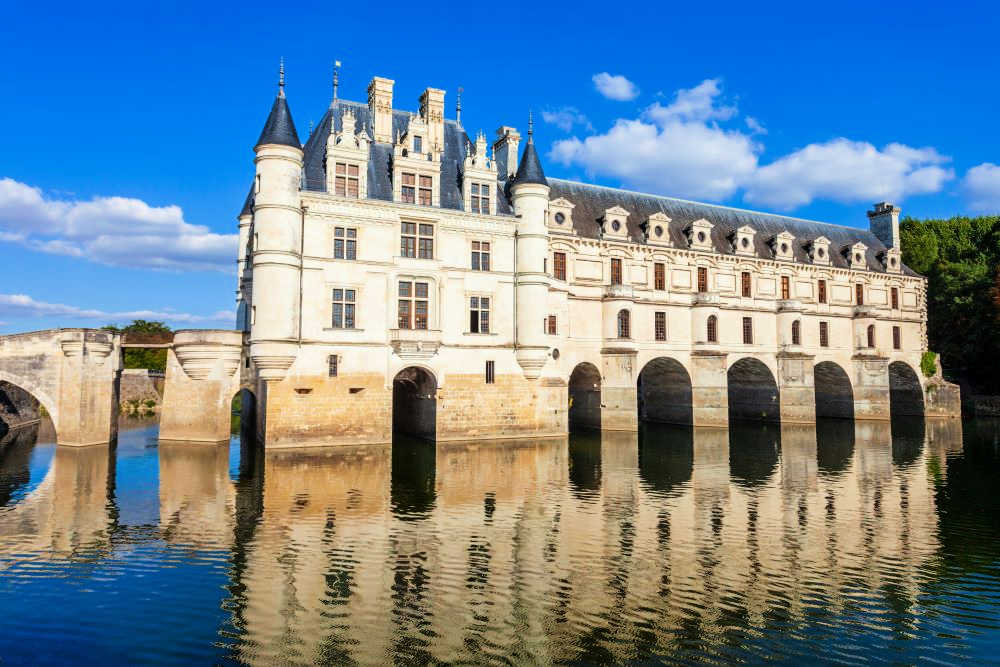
(141, 391)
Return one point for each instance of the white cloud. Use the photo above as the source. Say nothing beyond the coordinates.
(19, 306)
(684, 149)
(566, 118)
(981, 186)
(615, 87)
(677, 149)
(117, 231)
(849, 172)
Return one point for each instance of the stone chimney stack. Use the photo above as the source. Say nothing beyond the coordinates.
(380, 108)
(432, 111)
(505, 151)
(883, 222)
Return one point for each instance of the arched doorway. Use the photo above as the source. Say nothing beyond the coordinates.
(414, 403)
(585, 398)
(664, 392)
(906, 396)
(753, 392)
(834, 394)
(243, 425)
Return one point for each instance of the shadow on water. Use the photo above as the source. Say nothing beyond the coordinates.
(753, 451)
(15, 460)
(413, 476)
(666, 456)
(834, 445)
(907, 439)
(585, 463)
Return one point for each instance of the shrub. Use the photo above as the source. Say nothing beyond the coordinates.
(927, 363)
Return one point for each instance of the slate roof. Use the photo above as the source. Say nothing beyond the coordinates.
(591, 201)
(530, 169)
(279, 128)
(456, 146)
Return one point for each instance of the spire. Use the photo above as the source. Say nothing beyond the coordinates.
(530, 169)
(336, 81)
(279, 128)
(458, 107)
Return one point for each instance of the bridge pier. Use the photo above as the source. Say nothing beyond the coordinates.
(709, 388)
(201, 381)
(88, 387)
(871, 387)
(796, 388)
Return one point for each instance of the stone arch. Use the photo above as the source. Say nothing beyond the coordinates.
(753, 392)
(664, 392)
(585, 397)
(834, 392)
(35, 392)
(414, 403)
(906, 395)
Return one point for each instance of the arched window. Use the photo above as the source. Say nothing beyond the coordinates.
(713, 329)
(624, 328)
(796, 333)
(871, 335)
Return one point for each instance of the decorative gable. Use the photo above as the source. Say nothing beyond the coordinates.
(656, 230)
(891, 260)
(855, 256)
(699, 234)
(614, 223)
(479, 179)
(782, 246)
(418, 162)
(561, 215)
(819, 251)
(347, 157)
(742, 240)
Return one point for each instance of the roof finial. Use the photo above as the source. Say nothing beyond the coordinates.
(531, 127)
(336, 80)
(458, 106)
(281, 77)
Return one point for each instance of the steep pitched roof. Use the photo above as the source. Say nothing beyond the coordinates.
(591, 201)
(279, 128)
(530, 169)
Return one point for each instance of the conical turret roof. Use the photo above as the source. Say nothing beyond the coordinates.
(279, 128)
(530, 169)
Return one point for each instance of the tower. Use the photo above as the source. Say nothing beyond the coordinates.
(276, 242)
(530, 196)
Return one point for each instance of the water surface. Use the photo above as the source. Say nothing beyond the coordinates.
(844, 543)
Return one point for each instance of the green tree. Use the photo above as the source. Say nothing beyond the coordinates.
(143, 331)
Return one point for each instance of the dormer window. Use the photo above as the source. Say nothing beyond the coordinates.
(699, 234)
(743, 241)
(418, 144)
(656, 229)
(560, 218)
(855, 255)
(480, 198)
(346, 182)
(819, 250)
(613, 223)
(782, 245)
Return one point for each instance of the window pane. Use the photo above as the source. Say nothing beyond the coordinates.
(426, 248)
(426, 230)
(349, 316)
(341, 186)
(474, 302)
(475, 205)
(338, 231)
(338, 316)
(475, 261)
(349, 295)
(425, 197)
(485, 262)
(484, 321)
(475, 188)
(408, 195)
(338, 249)
(340, 167)
(425, 181)
(409, 179)
(408, 248)
(421, 290)
(486, 191)
(352, 170)
(352, 187)
(352, 233)
(352, 250)
(404, 314)
(484, 303)
(338, 295)
(404, 288)
(409, 228)
(473, 321)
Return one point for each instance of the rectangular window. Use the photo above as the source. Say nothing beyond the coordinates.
(418, 144)
(895, 298)
(490, 372)
(426, 183)
(824, 334)
(785, 288)
(821, 291)
(332, 361)
(859, 294)
(659, 276)
(897, 343)
(343, 308)
(748, 331)
(410, 240)
(480, 198)
(702, 279)
(480, 255)
(412, 305)
(616, 271)
(345, 243)
(346, 181)
(408, 191)
(660, 325)
(559, 265)
(745, 284)
(479, 314)
(426, 241)
(550, 325)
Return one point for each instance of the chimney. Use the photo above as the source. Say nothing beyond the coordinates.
(883, 222)
(505, 151)
(432, 111)
(380, 108)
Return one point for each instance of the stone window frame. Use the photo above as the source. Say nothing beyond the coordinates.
(660, 276)
(624, 322)
(431, 300)
(894, 297)
(418, 235)
(785, 287)
(822, 295)
(556, 272)
(346, 175)
(477, 200)
(702, 282)
(748, 331)
(491, 372)
(871, 340)
(797, 332)
(477, 254)
(746, 284)
(859, 294)
(345, 304)
(897, 337)
(470, 308)
(712, 329)
(345, 240)
(551, 325)
(824, 333)
(617, 262)
(660, 325)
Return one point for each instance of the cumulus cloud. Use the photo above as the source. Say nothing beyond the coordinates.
(849, 172)
(678, 148)
(615, 87)
(19, 306)
(566, 118)
(686, 149)
(117, 231)
(981, 186)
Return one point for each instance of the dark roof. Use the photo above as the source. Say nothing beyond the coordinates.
(591, 201)
(279, 128)
(530, 169)
(456, 147)
(247, 204)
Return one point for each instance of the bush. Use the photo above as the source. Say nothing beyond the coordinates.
(927, 363)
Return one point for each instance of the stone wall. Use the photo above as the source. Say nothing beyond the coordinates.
(141, 385)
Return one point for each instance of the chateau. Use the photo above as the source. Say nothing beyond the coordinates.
(397, 272)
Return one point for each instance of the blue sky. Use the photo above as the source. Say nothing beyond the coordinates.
(127, 148)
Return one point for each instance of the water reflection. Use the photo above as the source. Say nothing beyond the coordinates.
(677, 542)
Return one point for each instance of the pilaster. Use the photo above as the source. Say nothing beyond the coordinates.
(871, 387)
(619, 406)
(709, 389)
(795, 388)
